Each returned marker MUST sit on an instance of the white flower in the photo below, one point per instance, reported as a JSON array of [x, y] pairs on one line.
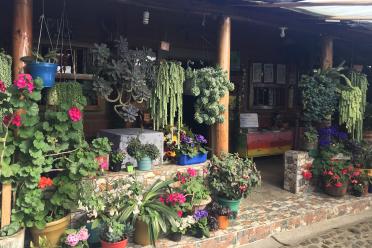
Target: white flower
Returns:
[[136, 211], [112, 212]]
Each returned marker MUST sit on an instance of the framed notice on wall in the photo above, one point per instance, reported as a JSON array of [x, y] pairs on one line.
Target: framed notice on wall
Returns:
[[281, 74], [256, 72], [248, 120], [268, 73]]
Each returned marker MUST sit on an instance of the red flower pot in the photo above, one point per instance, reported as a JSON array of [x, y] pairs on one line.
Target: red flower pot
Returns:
[[120, 244]]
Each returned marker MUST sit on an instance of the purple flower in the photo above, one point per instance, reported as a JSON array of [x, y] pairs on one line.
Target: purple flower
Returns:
[[200, 214], [186, 139], [72, 240], [83, 234], [200, 139]]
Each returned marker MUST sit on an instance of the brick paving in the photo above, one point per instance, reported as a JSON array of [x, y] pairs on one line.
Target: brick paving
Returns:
[[259, 220], [352, 236]]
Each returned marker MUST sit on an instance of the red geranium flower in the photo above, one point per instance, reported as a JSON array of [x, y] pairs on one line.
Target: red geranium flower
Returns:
[[24, 81], [161, 199], [307, 174], [15, 120], [180, 213], [2, 87], [192, 172], [356, 173], [338, 184], [330, 173], [75, 114], [45, 182], [344, 171]]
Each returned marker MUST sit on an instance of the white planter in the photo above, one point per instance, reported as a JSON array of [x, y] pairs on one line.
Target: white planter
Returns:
[[15, 241]]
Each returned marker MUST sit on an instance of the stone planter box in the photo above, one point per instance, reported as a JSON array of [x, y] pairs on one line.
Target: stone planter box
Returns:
[[15, 241]]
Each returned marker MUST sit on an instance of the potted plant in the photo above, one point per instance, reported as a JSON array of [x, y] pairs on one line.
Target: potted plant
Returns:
[[149, 215], [117, 159], [102, 148], [222, 214], [19, 170], [310, 139], [232, 178], [114, 234], [359, 183], [335, 176], [193, 187], [191, 149], [75, 238], [44, 67], [200, 228], [181, 227], [143, 153], [129, 166]]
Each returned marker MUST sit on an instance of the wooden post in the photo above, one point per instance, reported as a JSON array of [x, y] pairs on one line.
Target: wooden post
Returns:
[[327, 52], [221, 134], [6, 204], [22, 33]]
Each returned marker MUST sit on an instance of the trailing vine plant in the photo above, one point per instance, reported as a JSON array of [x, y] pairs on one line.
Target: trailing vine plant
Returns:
[[5, 68], [360, 80], [167, 95], [209, 85], [67, 92], [123, 76]]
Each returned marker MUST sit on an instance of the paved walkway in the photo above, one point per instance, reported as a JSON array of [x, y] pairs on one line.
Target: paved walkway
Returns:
[[351, 236]]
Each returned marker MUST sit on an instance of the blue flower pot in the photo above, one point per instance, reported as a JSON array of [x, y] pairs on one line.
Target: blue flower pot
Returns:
[[187, 160], [145, 164], [45, 71]]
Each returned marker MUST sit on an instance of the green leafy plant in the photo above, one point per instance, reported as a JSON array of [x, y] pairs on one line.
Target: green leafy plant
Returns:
[[145, 206], [168, 94], [311, 135], [200, 227], [43, 243], [5, 68], [209, 85], [114, 231], [66, 92], [232, 177], [50, 57], [125, 75], [118, 157], [138, 150], [101, 146], [319, 94]]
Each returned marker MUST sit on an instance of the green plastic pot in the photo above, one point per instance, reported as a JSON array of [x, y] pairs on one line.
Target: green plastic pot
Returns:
[[233, 205], [145, 164]]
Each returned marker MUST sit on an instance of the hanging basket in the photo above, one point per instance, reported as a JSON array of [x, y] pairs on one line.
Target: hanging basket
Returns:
[[45, 71]]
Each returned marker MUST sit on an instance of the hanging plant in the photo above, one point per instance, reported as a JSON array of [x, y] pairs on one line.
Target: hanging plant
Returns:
[[166, 98], [5, 68], [209, 85], [66, 92], [352, 104], [123, 76]]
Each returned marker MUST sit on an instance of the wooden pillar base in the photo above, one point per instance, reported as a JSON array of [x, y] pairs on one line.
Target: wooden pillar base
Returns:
[[6, 204]]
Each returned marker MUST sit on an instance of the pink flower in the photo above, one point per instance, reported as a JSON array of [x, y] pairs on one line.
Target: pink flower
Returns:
[[17, 120], [24, 81], [191, 172], [20, 83], [72, 240], [338, 184], [344, 171], [2, 87], [83, 234], [103, 165], [176, 198], [75, 114], [161, 199], [307, 174], [180, 213]]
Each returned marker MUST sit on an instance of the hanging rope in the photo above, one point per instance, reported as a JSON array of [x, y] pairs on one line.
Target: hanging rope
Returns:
[[42, 23]]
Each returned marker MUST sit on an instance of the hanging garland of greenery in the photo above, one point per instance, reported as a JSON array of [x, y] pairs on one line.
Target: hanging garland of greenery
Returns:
[[5, 68], [166, 98], [209, 86], [360, 80], [66, 93], [350, 108]]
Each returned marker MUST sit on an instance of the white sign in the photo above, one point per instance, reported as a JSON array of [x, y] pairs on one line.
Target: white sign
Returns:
[[248, 120]]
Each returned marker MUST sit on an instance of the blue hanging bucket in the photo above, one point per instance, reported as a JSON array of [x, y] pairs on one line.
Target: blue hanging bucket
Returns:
[[45, 71]]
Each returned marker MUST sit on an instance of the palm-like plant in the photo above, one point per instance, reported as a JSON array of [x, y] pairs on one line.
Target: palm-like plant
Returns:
[[147, 208]]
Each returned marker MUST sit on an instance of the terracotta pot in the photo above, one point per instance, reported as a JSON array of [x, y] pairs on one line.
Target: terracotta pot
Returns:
[[336, 192], [223, 222], [367, 136], [15, 241], [141, 233], [52, 231], [120, 244]]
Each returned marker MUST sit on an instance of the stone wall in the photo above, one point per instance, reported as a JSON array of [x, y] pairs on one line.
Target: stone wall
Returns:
[[147, 178], [295, 163]]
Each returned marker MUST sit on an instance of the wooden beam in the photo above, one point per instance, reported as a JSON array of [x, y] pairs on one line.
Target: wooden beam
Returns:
[[222, 129], [22, 33], [6, 204], [327, 52]]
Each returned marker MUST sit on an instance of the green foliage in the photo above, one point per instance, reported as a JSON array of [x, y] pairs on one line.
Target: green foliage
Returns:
[[319, 96], [138, 150], [232, 177], [114, 231], [209, 86], [118, 157], [66, 92], [5, 68], [101, 146], [124, 74], [43, 243], [10, 230], [167, 95], [311, 135], [50, 57], [201, 226]]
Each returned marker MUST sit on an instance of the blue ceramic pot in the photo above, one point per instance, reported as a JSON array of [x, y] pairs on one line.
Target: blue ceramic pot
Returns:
[[145, 164], [187, 160], [45, 71]]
